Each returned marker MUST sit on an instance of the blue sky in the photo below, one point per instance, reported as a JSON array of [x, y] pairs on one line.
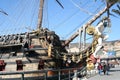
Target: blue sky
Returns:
[[65, 22]]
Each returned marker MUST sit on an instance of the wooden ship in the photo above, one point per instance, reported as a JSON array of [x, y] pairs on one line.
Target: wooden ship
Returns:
[[41, 55]]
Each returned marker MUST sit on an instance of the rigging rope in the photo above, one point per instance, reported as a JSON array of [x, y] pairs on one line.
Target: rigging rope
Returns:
[[7, 24], [68, 18], [65, 20], [16, 20], [89, 13], [83, 21], [34, 12]]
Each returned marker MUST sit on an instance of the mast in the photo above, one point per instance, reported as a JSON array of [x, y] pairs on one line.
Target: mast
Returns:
[[40, 15], [88, 23]]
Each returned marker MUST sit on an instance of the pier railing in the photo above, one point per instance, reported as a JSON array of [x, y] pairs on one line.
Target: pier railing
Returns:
[[60, 74]]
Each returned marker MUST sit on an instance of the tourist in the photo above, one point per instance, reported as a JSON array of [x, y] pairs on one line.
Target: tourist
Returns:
[[104, 68], [99, 68], [107, 68]]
